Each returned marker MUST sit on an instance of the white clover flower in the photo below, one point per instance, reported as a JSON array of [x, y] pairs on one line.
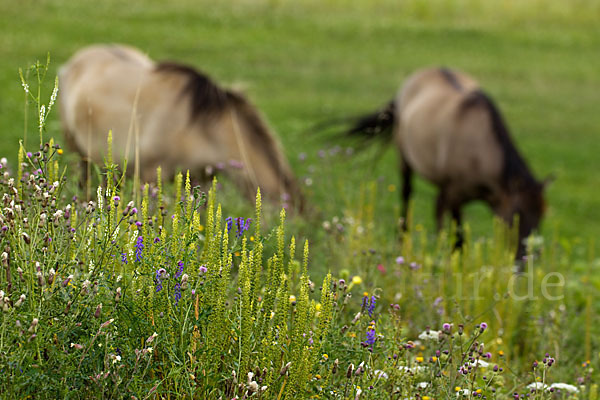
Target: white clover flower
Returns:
[[422, 385], [380, 374], [463, 392], [480, 363], [413, 370], [565, 386], [430, 335], [537, 386]]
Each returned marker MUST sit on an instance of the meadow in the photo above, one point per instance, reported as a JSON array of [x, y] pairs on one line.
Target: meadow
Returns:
[[114, 311]]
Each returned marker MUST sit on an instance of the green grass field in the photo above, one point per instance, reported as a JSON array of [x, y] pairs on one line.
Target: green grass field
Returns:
[[305, 62]]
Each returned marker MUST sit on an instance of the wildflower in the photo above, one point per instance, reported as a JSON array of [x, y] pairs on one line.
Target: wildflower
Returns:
[[161, 274], [292, 299], [380, 374], [429, 335], [537, 386], [480, 363], [372, 305], [151, 338], [357, 280], [399, 260], [419, 359], [98, 311], [422, 385], [371, 335], [565, 386], [229, 222], [139, 247], [483, 326], [179, 270], [447, 327], [177, 294], [202, 270]]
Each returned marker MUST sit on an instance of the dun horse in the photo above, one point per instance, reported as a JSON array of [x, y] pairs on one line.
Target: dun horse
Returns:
[[168, 115], [450, 132]]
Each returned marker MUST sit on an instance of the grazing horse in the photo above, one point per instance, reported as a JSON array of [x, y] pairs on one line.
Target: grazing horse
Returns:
[[168, 115], [450, 132]]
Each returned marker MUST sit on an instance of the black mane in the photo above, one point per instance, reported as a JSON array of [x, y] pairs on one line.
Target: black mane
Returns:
[[205, 95], [515, 170]]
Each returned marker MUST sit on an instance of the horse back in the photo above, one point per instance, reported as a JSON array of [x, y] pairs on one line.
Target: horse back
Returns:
[[442, 134], [118, 88]]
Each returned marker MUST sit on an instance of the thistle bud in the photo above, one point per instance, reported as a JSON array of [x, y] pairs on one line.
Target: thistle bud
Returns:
[[349, 371], [285, 368], [66, 281], [51, 275], [33, 325], [20, 301], [98, 311]]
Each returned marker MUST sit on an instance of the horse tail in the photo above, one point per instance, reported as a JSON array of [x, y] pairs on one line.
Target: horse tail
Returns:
[[376, 125]]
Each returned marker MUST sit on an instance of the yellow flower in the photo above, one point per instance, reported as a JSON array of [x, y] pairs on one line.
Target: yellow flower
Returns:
[[457, 389], [501, 353], [365, 294], [434, 358], [318, 307], [252, 238], [201, 227], [419, 359], [292, 298], [325, 356], [59, 151], [352, 334], [478, 391], [426, 398], [357, 280], [237, 253]]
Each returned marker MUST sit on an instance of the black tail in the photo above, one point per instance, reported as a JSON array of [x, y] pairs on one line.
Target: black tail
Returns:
[[377, 125]]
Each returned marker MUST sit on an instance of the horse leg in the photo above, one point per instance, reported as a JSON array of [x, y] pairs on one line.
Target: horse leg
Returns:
[[440, 209], [457, 217], [406, 192]]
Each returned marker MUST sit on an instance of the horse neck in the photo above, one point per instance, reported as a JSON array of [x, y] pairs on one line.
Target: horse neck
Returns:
[[263, 163]]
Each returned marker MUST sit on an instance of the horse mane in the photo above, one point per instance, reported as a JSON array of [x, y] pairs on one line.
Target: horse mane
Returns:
[[515, 168], [451, 78], [256, 126], [206, 97]]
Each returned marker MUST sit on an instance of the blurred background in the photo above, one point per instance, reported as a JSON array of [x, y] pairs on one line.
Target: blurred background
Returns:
[[304, 62]]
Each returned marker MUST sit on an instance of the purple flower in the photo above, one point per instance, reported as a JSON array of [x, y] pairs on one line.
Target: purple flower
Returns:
[[139, 248], [202, 270], [446, 327], [229, 222], [399, 260], [371, 336], [161, 274], [372, 306], [124, 258], [177, 293], [179, 270], [483, 326]]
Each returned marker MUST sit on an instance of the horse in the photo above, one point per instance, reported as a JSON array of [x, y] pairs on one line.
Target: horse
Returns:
[[450, 132], [169, 115]]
